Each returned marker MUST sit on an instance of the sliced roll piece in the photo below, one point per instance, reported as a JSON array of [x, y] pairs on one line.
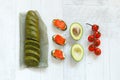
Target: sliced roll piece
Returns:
[[31, 61]]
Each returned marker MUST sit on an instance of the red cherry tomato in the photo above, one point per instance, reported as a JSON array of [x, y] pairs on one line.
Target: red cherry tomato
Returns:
[[91, 47], [97, 34], [97, 42], [97, 51], [95, 27], [91, 38]]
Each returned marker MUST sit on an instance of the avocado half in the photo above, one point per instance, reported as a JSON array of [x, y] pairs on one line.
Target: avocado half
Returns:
[[76, 31], [77, 52]]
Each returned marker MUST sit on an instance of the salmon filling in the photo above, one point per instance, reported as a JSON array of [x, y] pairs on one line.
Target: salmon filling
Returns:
[[59, 24], [58, 54], [59, 39]]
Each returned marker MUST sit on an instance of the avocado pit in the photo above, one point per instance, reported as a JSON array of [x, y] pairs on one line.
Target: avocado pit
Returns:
[[76, 31]]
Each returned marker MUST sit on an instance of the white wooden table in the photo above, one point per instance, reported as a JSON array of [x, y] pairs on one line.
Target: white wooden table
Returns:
[[106, 13]]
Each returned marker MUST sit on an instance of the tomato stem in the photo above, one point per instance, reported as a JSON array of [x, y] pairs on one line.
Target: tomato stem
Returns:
[[89, 24]]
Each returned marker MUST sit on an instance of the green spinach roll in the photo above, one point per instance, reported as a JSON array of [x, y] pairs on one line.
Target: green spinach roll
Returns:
[[32, 40]]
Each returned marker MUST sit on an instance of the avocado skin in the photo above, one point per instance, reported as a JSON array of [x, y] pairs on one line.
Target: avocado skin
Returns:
[[32, 40]]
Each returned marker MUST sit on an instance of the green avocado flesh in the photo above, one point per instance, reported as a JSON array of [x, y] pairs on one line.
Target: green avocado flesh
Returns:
[[77, 52], [32, 40], [76, 31]]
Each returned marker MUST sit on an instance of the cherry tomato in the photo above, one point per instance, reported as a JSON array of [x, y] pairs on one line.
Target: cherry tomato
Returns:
[[97, 51], [91, 47], [95, 27], [97, 42], [91, 38], [97, 34]]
